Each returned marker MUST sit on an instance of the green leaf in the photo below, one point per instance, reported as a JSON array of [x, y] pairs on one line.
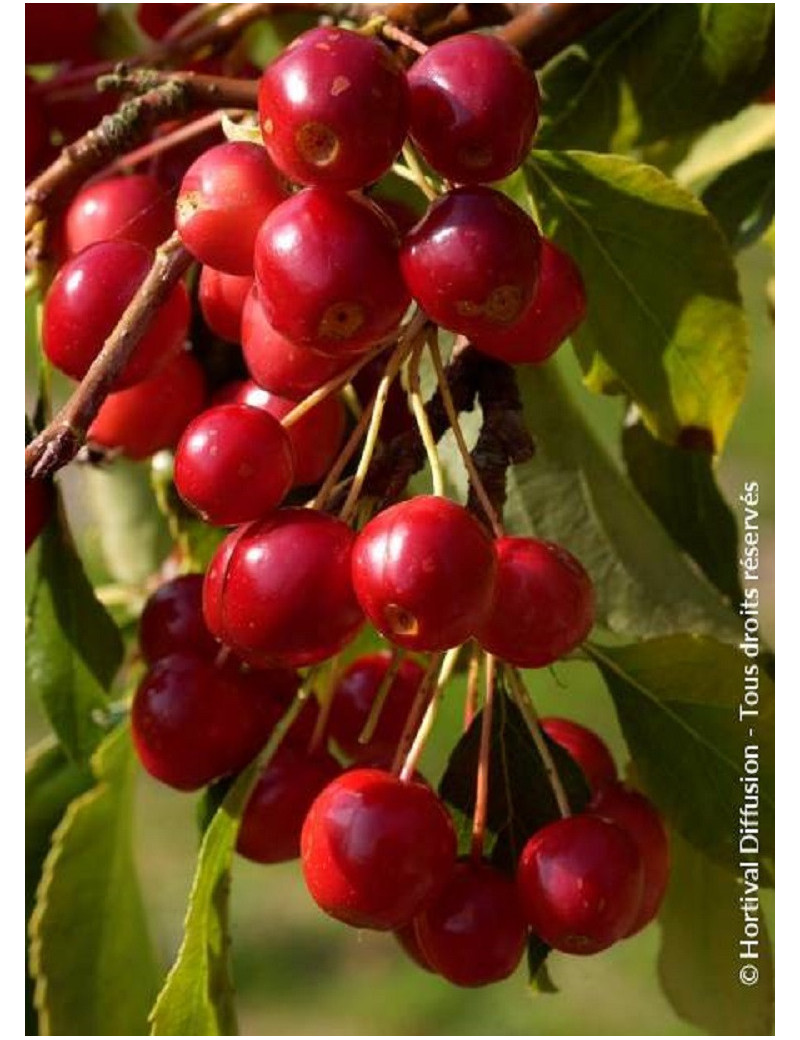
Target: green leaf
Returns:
[[656, 71], [678, 701], [73, 649], [678, 484], [742, 198], [88, 931], [51, 783], [538, 975], [197, 997], [521, 800], [571, 492], [702, 925], [665, 320]]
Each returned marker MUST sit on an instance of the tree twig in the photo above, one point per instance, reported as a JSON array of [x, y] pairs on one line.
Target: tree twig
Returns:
[[59, 442], [540, 31]]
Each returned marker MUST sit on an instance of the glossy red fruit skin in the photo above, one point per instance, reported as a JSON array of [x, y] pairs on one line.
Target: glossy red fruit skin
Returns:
[[278, 805], [640, 819], [172, 621], [234, 464], [557, 309], [328, 273], [354, 695], [277, 364], [424, 573], [87, 299], [192, 723], [376, 850], [59, 32], [224, 198], [474, 932], [279, 590], [152, 415], [222, 298], [38, 507], [543, 603], [407, 940], [472, 263], [333, 109], [586, 748], [157, 19], [315, 438], [580, 882], [134, 208], [474, 108]]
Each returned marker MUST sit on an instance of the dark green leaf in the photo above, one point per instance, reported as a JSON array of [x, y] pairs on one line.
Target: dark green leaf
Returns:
[[521, 800], [571, 492], [538, 975], [73, 648], [656, 71], [197, 997], [665, 321], [742, 198], [51, 782], [702, 925], [678, 484], [88, 930], [678, 704]]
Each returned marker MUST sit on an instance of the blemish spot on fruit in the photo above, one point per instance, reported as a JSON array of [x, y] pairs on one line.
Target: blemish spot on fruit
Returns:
[[476, 157], [400, 621], [188, 204], [317, 143], [341, 320], [269, 126], [504, 304], [339, 86]]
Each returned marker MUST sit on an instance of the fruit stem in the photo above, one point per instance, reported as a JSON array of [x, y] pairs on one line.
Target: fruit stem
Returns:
[[484, 752], [368, 731], [162, 144], [473, 674], [412, 722], [428, 719], [344, 457], [423, 425], [455, 425], [525, 705], [417, 173], [325, 700]]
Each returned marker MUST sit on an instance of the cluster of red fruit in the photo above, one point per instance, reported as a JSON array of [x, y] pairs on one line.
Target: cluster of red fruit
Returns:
[[311, 280]]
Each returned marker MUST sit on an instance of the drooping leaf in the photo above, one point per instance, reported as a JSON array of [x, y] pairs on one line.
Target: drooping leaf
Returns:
[[73, 648], [678, 484], [538, 974], [702, 925], [742, 198], [90, 952], [571, 492], [665, 322], [678, 700], [521, 800], [197, 997], [657, 71], [51, 783]]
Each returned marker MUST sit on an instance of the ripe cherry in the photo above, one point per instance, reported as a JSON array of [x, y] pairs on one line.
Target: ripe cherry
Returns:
[[234, 464], [315, 438], [586, 748], [472, 263], [328, 274], [192, 723], [473, 933], [38, 507], [136, 208], [333, 109], [281, 590], [474, 108], [278, 805], [224, 198], [152, 415], [557, 309], [376, 850], [59, 32], [643, 823], [354, 696], [157, 19], [424, 571], [172, 621], [275, 363], [86, 301], [222, 298], [407, 939], [543, 603], [580, 880]]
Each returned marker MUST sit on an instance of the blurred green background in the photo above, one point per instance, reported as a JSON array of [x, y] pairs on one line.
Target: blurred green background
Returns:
[[298, 972]]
